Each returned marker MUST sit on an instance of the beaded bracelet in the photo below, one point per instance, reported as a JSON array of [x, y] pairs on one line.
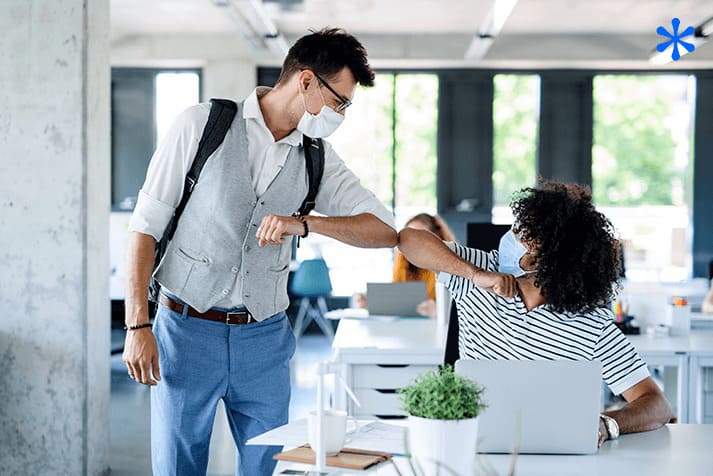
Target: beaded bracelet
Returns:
[[304, 223], [138, 326]]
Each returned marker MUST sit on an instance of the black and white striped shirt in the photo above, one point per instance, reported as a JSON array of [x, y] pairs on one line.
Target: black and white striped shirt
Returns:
[[498, 328]]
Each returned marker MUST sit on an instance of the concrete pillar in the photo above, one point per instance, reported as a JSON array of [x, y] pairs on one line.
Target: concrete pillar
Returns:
[[232, 79], [54, 212]]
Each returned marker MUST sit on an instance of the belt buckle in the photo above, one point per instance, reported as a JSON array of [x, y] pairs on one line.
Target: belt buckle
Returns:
[[228, 315]]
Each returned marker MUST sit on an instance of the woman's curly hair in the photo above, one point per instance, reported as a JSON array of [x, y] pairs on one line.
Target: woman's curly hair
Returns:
[[577, 252]]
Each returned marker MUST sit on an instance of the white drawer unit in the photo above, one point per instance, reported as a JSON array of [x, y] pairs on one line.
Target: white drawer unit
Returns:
[[378, 357], [386, 376], [378, 403], [376, 385]]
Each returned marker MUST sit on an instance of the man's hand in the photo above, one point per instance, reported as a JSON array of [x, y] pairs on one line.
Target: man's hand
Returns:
[[497, 283], [603, 433], [273, 228], [141, 356]]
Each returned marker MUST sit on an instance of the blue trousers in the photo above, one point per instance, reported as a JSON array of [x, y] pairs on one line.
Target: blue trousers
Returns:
[[202, 362]]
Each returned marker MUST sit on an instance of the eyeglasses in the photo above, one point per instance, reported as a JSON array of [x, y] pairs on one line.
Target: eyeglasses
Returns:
[[343, 102]]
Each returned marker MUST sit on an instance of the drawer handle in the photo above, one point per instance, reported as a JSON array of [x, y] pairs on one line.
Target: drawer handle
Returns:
[[386, 390], [391, 417], [392, 366]]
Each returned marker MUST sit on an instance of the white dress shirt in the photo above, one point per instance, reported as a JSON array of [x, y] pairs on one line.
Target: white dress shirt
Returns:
[[340, 192]]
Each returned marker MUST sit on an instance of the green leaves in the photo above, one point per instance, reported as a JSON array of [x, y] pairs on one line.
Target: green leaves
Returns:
[[443, 395]]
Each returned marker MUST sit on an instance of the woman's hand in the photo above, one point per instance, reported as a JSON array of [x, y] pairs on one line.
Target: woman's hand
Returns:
[[427, 308], [498, 283]]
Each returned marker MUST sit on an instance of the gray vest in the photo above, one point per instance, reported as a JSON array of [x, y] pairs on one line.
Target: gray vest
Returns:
[[215, 239]]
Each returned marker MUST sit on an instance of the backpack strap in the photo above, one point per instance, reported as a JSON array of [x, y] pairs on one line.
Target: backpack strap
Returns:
[[222, 113], [314, 163]]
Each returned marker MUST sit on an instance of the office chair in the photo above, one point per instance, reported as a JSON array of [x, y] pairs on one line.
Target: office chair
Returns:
[[452, 352], [311, 284]]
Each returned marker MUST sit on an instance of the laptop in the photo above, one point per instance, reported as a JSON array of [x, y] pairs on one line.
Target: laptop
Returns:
[[553, 405], [395, 299]]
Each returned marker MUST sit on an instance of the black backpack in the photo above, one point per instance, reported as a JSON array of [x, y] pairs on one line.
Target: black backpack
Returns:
[[222, 113]]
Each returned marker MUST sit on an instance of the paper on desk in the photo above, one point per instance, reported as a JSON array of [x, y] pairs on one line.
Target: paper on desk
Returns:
[[371, 435]]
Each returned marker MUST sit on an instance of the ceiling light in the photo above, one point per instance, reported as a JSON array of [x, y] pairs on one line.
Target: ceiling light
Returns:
[[263, 29], [705, 29], [489, 29]]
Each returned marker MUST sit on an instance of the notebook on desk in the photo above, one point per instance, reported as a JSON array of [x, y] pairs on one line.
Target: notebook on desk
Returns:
[[541, 406], [395, 299]]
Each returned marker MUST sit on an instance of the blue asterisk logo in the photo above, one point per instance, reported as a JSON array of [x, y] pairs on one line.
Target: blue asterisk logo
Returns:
[[675, 39]]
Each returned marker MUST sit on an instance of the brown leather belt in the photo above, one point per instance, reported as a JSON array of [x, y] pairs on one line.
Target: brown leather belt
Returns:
[[230, 318]]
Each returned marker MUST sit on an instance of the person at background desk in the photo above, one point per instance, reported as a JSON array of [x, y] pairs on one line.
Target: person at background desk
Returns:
[[406, 271], [542, 296], [708, 301]]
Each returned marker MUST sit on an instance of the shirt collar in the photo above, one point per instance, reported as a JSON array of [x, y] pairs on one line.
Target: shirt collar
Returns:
[[251, 110]]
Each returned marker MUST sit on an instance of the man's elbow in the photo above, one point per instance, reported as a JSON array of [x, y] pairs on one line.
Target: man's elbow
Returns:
[[388, 238]]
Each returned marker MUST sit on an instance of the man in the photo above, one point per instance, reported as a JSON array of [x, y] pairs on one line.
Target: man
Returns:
[[231, 252], [542, 296]]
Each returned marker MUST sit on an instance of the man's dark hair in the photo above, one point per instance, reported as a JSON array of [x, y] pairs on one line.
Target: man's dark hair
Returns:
[[577, 252], [327, 52]]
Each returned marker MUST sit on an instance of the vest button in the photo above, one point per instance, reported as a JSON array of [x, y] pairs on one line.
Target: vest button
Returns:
[[247, 248], [226, 291], [246, 295], [253, 203], [234, 269]]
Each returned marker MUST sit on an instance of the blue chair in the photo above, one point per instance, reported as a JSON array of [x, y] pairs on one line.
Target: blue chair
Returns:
[[311, 283]]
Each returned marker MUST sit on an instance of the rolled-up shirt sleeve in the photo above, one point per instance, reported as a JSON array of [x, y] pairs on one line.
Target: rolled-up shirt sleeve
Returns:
[[342, 194], [163, 188]]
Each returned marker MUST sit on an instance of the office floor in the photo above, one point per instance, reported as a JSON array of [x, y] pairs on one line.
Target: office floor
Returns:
[[130, 452]]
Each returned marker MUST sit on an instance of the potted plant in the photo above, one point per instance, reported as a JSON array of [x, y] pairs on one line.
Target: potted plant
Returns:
[[443, 409]]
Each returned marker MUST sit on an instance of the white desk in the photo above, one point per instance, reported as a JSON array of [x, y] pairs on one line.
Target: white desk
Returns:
[[379, 357], [670, 450], [691, 355]]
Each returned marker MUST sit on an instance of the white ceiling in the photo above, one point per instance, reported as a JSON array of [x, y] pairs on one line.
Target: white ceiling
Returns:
[[554, 33], [603, 16]]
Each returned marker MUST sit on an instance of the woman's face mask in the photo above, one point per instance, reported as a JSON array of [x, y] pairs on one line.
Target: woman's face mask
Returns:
[[510, 253], [319, 125]]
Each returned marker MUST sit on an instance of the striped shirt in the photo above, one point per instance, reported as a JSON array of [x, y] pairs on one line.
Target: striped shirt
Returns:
[[498, 328]]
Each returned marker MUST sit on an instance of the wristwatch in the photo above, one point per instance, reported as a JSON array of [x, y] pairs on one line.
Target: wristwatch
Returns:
[[611, 425]]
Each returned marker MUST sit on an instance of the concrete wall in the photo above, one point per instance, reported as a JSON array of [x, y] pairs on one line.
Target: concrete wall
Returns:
[[54, 210], [233, 79]]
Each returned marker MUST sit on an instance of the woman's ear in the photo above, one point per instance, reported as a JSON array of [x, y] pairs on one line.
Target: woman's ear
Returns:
[[528, 262]]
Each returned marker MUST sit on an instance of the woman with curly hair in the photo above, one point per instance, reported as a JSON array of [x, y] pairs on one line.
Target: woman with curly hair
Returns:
[[543, 295]]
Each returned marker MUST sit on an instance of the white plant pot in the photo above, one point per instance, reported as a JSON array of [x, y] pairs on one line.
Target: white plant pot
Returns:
[[443, 447]]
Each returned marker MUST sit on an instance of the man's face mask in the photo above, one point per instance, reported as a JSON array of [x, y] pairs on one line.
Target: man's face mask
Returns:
[[511, 252], [319, 125]]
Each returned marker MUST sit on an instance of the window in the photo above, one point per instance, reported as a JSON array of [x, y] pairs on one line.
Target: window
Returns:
[[174, 93], [515, 127], [388, 139], [144, 102], [641, 169]]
